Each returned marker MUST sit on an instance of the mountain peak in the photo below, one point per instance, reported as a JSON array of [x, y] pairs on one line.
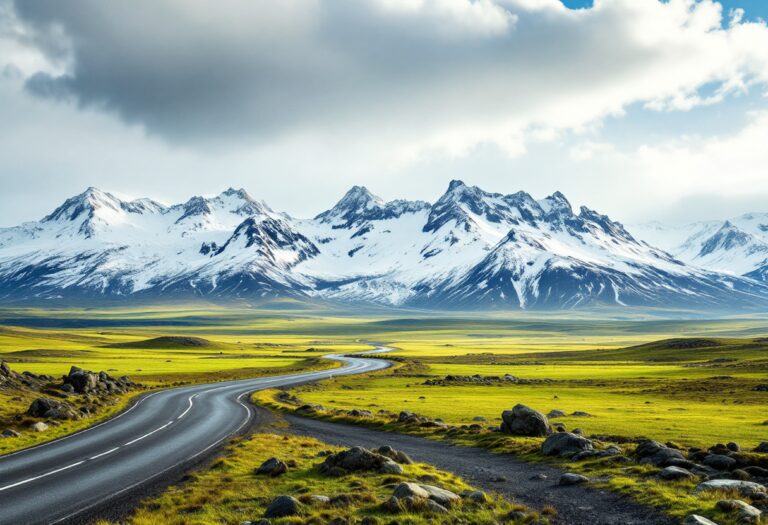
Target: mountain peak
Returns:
[[84, 204], [556, 203], [455, 184]]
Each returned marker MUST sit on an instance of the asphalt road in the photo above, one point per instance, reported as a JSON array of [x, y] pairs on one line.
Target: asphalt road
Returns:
[[164, 431]]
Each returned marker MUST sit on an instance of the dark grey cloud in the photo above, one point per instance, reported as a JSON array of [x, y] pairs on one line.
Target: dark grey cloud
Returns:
[[200, 70]]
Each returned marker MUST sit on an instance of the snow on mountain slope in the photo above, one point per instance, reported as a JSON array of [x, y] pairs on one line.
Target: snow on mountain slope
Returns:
[[97, 243], [471, 248], [736, 246]]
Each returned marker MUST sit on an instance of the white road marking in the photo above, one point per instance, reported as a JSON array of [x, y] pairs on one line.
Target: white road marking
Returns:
[[158, 429], [188, 408], [28, 480], [104, 453]]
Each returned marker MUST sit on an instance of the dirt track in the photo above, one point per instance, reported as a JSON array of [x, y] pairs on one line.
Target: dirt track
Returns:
[[576, 505]]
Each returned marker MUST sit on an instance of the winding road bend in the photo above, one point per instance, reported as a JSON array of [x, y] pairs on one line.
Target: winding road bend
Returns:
[[162, 432]]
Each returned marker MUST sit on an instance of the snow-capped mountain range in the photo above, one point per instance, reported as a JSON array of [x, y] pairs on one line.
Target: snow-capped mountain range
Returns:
[[737, 246], [470, 249]]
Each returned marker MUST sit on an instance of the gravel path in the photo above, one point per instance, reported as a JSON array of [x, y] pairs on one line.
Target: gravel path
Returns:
[[576, 505]]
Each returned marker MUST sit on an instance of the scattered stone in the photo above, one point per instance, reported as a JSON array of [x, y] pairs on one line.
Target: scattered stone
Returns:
[[654, 453], [745, 488], [540, 477], [283, 506], [579, 413], [51, 409], [395, 455], [555, 413], [435, 508], [747, 513], [525, 421], [570, 478], [10, 433], [762, 447], [413, 490], [675, 473], [444, 497], [733, 447], [565, 445], [477, 496], [319, 499], [353, 460], [695, 519], [391, 467], [761, 388], [719, 462], [38, 427], [359, 413], [272, 467]]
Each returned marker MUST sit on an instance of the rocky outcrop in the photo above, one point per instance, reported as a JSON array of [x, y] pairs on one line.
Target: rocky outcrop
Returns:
[[654, 453], [84, 382], [525, 421], [565, 445], [51, 409], [358, 459]]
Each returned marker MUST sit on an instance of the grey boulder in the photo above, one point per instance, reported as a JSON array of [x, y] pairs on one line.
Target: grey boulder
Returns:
[[525, 421], [565, 445]]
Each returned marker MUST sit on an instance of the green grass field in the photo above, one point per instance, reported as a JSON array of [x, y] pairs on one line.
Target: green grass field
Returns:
[[689, 381]]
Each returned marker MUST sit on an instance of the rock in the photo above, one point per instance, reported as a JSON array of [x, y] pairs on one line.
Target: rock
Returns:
[[675, 473], [733, 447], [719, 462], [390, 467], [405, 490], [757, 472], [525, 421], [579, 413], [747, 513], [360, 413], [10, 433], [51, 409], [395, 455], [393, 505], [66, 387], [555, 413], [565, 445], [745, 488], [354, 459], [654, 453], [435, 508], [570, 478], [413, 490], [38, 427], [762, 447], [444, 497], [477, 496], [614, 450], [272, 467], [761, 388], [283, 506], [695, 519], [319, 499], [479, 419]]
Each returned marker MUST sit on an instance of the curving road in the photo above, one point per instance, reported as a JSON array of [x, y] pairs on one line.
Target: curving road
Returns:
[[164, 431]]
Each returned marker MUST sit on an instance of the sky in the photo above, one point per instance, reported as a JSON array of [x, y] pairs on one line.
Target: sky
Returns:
[[641, 109]]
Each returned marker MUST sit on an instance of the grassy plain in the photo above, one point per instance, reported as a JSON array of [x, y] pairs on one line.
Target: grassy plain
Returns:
[[634, 375], [610, 368]]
